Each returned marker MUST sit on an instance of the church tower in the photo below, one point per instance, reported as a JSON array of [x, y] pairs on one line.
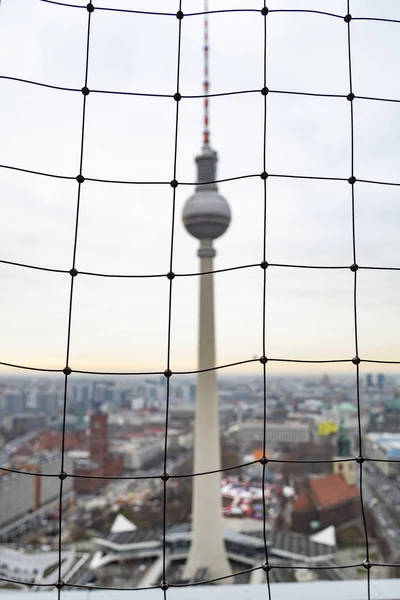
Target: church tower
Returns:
[[343, 467]]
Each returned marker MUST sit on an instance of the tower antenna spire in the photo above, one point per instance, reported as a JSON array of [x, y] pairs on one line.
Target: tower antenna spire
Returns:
[[206, 132]]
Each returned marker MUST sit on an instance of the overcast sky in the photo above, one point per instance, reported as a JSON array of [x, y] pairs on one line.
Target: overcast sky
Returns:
[[122, 323]]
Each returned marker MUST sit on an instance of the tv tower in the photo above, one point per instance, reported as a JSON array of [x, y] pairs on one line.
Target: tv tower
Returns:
[[206, 216]]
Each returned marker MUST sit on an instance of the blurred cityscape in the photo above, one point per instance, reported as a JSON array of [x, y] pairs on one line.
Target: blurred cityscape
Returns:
[[112, 529]]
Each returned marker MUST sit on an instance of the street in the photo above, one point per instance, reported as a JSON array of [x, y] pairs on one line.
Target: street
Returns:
[[382, 495]]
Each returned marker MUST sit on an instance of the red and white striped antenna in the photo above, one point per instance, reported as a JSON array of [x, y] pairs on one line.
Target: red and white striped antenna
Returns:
[[206, 133]]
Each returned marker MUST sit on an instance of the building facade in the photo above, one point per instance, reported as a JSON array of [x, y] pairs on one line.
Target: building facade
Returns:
[[21, 494], [385, 449], [289, 432]]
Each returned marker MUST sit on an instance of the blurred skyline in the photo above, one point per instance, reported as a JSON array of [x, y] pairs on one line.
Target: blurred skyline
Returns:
[[121, 324]]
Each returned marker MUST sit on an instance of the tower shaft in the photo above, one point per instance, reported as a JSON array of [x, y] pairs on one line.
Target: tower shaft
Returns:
[[207, 547]]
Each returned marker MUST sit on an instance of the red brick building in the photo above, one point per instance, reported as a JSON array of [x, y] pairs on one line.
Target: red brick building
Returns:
[[328, 500], [101, 462]]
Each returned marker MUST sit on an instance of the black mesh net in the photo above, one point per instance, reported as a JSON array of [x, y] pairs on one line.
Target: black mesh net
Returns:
[[264, 266]]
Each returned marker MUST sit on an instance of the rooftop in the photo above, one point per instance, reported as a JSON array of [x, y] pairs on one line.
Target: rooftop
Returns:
[[388, 442], [284, 425], [287, 542], [393, 405], [50, 440], [281, 543], [381, 438], [328, 491]]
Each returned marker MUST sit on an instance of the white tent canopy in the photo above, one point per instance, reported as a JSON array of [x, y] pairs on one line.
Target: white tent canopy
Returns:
[[326, 536], [121, 524]]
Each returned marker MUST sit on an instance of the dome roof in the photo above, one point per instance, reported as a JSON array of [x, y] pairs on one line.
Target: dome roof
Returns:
[[393, 405], [206, 214], [347, 407]]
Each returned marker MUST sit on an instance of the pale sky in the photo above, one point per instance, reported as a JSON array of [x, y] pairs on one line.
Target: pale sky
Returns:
[[122, 323]]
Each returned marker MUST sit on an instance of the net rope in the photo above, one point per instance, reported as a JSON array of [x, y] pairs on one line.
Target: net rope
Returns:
[[264, 359]]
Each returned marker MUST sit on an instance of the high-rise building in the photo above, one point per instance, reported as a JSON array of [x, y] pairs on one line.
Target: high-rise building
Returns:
[[206, 216], [12, 402], [192, 393], [48, 402], [381, 381]]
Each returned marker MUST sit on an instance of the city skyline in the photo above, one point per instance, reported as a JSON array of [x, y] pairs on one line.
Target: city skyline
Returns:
[[121, 324]]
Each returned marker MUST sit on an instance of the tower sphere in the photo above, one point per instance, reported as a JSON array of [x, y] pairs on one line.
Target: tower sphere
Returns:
[[206, 214]]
